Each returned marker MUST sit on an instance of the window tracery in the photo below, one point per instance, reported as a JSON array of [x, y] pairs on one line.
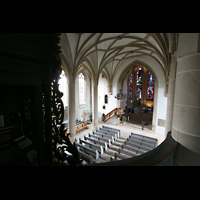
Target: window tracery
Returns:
[[63, 88], [139, 84], [82, 90], [150, 87]]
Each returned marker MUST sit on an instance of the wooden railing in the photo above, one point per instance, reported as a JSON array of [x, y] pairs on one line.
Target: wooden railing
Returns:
[[110, 115]]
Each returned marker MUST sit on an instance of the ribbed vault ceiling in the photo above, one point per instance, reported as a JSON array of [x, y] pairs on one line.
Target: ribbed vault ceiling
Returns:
[[105, 51]]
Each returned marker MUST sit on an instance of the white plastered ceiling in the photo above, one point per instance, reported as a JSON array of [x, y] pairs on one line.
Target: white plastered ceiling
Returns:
[[105, 51]]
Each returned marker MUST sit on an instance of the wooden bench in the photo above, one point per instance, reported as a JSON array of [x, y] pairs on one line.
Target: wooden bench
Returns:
[[141, 143], [127, 153], [85, 125], [131, 143], [103, 144], [104, 136], [143, 140], [154, 140], [108, 133], [133, 149], [92, 145], [101, 139], [112, 129], [85, 156], [88, 150], [80, 127], [120, 156]]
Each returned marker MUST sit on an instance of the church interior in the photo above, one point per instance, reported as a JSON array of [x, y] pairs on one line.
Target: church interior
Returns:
[[99, 99]]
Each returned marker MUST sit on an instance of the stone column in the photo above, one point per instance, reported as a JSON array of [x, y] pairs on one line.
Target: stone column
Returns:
[[170, 95], [186, 114], [94, 103], [134, 86], [144, 85], [71, 107]]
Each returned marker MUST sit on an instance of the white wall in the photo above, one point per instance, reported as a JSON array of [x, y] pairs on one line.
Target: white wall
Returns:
[[102, 91], [112, 101]]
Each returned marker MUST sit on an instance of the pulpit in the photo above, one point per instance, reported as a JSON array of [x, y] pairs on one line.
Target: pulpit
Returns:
[[120, 112]]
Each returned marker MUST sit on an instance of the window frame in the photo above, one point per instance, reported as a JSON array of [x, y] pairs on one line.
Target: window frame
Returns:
[[63, 87], [82, 80]]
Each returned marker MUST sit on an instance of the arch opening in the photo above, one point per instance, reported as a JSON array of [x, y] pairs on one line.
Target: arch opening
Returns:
[[138, 83], [159, 102]]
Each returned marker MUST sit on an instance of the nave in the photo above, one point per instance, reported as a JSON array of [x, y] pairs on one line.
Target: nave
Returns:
[[115, 142]]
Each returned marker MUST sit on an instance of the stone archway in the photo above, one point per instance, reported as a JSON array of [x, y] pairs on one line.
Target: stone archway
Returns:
[[160, 100]]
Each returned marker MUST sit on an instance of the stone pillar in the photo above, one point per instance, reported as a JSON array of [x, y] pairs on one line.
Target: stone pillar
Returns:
[[134, 86], [94, 103], [127, 94], [71, 107], [186, 114], [170, 95], [144, 85]]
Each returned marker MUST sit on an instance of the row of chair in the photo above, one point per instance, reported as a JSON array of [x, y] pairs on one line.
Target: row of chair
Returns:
[[135, 145], [79, 126], [96, 144]]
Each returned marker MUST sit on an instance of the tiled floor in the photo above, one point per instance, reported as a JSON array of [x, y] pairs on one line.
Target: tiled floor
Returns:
[[126, 130]]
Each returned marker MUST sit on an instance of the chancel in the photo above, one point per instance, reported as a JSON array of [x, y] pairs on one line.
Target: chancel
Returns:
[[104, 99]]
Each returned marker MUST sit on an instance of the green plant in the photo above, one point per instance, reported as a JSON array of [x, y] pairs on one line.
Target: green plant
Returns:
[[124, 119], [90, 114]]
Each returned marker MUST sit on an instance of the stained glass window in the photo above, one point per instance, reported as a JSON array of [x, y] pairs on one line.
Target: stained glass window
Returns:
[[150, 87], [130, 86], [139, 84]]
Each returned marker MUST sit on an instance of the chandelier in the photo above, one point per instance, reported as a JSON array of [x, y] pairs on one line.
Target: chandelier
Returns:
[[120, 96]]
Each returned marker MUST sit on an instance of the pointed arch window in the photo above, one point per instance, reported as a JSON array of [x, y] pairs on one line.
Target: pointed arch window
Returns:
[[131, 86], [106, 98], [82, 90], [63, 87], [150, 87], [139, 84]]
